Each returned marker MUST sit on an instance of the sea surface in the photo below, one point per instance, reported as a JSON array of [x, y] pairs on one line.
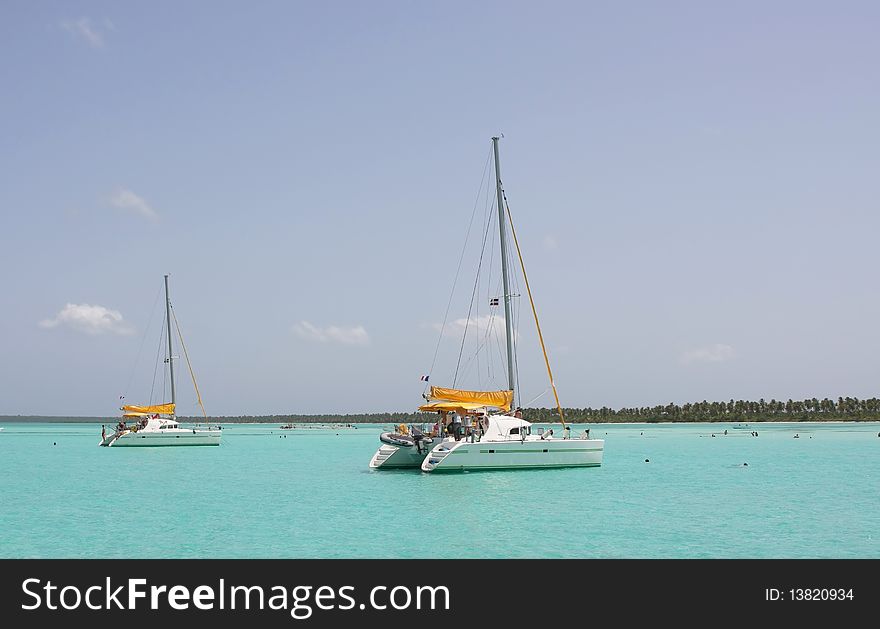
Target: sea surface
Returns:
[[663, 491]]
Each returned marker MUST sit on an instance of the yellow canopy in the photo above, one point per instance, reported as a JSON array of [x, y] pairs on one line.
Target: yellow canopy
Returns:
[[451, 406], [140, 411], [498, 399]]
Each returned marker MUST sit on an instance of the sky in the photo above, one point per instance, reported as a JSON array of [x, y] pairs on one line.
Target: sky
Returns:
[[694, 186]]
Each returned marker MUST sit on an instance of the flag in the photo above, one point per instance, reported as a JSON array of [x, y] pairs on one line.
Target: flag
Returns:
[[493, 301], [121, 397], [424, 378]]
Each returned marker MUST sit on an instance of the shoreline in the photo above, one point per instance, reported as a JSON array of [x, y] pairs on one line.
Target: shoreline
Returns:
[[53, 419]]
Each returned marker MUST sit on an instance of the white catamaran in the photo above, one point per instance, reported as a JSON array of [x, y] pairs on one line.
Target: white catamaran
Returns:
[[157, 425], [493, 438]]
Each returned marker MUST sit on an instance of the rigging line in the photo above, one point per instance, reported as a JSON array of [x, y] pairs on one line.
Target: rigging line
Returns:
[[165, 383], [140, 349], [189, 366], [471, 306], [496, 335], [458, 270], [540, 395], [516, 319], [515, 315], [475, 356], [486, 339], [156, 366], [534, 311]]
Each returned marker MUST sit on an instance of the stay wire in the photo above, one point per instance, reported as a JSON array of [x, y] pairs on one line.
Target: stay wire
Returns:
[[140, 349], [471, 306], [156, 366], [458, 270]]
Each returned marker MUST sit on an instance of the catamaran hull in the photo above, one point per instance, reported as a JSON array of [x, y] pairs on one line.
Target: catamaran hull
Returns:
[[170, 438], [390, 456], [515, 454]]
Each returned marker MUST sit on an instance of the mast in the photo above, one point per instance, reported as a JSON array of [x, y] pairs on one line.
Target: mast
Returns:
[[170, 351], [508, 324]]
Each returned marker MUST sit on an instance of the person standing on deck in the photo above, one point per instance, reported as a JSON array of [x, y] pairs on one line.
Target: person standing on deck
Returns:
[[456, 425]]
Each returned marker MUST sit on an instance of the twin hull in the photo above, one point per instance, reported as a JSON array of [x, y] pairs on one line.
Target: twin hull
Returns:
[[454, 456], [519, 454], [165, 438]]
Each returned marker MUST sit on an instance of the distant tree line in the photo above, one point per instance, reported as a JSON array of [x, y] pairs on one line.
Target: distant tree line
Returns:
[[812, 409]]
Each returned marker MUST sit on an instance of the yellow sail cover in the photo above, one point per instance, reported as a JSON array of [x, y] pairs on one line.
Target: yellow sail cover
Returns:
[[451, 406], [498, 399], [138, 411]]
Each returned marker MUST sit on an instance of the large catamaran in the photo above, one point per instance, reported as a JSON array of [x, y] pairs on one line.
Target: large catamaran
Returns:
[[495, 438]]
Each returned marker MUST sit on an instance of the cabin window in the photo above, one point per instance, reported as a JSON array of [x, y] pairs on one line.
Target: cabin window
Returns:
[[514, 431]]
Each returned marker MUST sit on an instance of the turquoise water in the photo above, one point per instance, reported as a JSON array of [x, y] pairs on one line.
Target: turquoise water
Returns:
[[308, 493]]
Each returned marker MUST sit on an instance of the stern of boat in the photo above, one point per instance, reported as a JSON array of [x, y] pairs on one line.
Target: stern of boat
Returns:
[[437, 455], [383, 455]]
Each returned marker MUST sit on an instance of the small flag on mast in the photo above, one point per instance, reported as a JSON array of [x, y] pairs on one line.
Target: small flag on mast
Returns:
[[493, 301], [424, 378]]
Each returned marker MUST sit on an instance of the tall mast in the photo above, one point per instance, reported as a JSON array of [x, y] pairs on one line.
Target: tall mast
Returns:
[[170, 351], [507, 320]]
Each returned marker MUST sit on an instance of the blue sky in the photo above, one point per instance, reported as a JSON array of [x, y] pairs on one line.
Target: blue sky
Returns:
[[694, 185]]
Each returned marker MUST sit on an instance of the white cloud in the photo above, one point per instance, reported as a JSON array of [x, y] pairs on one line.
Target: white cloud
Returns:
[[354, 335], [480, 325], [127, 200], [716, 353], [83, 28], [550, 243], [89, 319]]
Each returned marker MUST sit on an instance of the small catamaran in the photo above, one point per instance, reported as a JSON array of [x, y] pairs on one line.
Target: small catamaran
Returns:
[[157, 425], [493, 438]]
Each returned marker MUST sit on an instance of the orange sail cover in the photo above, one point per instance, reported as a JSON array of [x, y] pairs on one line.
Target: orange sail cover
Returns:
[[498, 399], [161, 409]]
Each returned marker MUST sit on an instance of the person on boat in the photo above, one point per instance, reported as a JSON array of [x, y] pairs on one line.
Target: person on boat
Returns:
[[402, 429], [586, 433], [103, 432], [456, 425], [518, 413], [417, 436], [483, 424], [469, 428]]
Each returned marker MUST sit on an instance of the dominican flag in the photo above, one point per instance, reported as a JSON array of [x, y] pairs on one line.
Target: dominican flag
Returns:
[[424, 378]]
